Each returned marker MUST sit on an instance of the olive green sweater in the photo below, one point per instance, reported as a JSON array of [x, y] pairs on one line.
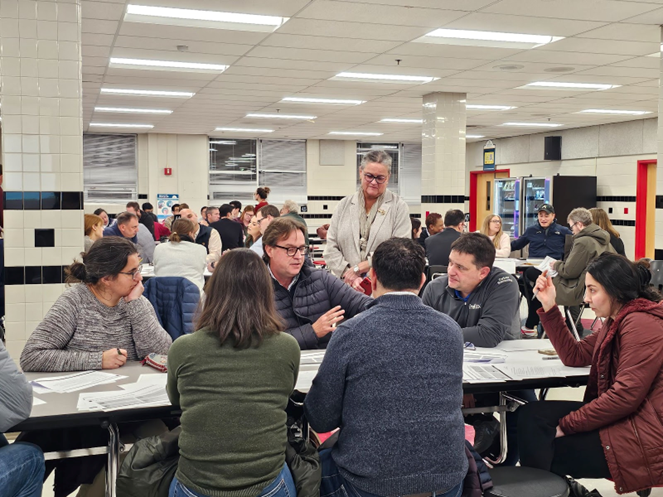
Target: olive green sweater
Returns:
[[233, 411]]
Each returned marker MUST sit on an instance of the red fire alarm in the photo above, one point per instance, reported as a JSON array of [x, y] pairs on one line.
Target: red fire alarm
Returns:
[[167, 171]]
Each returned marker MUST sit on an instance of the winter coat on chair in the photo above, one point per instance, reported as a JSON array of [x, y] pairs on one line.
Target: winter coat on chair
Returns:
[[175, 300], [624, 395], [588, 244]]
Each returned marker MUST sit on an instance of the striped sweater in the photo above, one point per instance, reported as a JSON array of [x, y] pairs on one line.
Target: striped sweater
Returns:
[[78, 329]]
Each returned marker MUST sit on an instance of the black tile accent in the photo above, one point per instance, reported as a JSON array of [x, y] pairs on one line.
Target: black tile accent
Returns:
[[52, 274], [142, 196], [324, 199], [622, 222], [316, 216], [467, 199], [615, 198], [50, 200], [659, 201], [13, 201], [31, 201], [609, 210], [14, 276], [658, 255], [418, 216], [33, 275], [443, 199], [72, 200], [44, 237]]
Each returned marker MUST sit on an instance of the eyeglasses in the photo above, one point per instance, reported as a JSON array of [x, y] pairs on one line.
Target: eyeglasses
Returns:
[[291, 251], [260, 220], [573, 224], [134, 272], [378, 179]]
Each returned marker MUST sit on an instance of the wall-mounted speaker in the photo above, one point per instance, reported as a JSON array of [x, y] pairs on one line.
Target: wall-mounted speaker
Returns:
[[552, 148]]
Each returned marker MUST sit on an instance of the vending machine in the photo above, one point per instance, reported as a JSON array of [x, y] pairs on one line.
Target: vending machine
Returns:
[[507, 204], [536, 192]]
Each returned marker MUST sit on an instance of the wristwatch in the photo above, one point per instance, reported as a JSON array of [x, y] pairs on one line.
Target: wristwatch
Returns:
[[356, 269]]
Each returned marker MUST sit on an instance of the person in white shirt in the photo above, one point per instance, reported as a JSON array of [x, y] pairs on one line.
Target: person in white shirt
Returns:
[[264, 216], [492, 228], [182, 256]]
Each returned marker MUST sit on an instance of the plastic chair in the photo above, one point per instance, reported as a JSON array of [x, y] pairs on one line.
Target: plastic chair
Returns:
[[175, 300], [436, 272], [656, 268], [519, 481]]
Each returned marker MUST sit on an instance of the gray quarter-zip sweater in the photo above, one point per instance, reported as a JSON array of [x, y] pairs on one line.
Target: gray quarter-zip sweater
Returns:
[[490, 314]]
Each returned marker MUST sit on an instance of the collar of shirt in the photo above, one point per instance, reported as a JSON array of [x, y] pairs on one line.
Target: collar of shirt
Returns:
[[401, 293], [464, 299], [292, 283]]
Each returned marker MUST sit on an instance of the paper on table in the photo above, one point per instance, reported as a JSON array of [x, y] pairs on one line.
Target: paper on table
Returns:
[[78, 381], [37, 402], [484, 358], [475, 373], [147, 379], [140, 395], [546, 265], [528, 371], [40, 390], [312, 357], [304, 380]]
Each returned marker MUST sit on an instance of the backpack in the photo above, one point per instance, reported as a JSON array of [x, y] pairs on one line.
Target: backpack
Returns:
[[477, 480]]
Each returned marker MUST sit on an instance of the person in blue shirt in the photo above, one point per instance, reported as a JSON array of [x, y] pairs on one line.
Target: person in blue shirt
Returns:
[[545, 238]]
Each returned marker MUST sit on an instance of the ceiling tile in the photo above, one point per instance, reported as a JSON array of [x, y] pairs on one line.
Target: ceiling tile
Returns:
[[587, 10], [357, 30]]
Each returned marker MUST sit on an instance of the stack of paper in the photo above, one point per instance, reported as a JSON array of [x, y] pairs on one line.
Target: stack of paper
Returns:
[[474, 373], [148, 391], [545, 265], [312, 357], [529, 371], [492, 358], [73, 382]]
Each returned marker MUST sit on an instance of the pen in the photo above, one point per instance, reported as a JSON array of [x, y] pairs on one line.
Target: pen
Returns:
[[549, 357], [119, 352], [545, 273]]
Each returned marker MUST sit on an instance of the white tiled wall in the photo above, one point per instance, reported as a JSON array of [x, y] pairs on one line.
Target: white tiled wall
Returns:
[[40, 68]]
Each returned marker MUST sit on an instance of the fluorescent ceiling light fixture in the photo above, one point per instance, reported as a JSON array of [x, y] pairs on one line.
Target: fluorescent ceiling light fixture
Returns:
[[117, 125], [397, 120], [166, 65], [488, 107], [212, 150], [384, 78], [246, 130], [224, 142], [202, 18], [148, 93], [132, 111], [533, 125], [474, 136], [487, 38], [280, 116], [617, 112], [354, 133], [330, 101], [558, 85]]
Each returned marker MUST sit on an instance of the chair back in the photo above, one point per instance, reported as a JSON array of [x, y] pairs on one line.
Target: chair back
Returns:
[[656, 268], [436, 271], [175, 300]]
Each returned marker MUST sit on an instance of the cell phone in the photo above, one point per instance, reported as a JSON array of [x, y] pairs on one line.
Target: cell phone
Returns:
[[366, 286]]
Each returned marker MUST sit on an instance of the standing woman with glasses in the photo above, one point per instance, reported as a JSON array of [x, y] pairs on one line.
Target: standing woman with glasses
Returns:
[[101, 323], [364, 220]]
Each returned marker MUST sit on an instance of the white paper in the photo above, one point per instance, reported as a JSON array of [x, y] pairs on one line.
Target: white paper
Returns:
[[529, 371], [312, 357], [40, 390], [479, 357], [545, 265], [147, 379], [476, 373], [304, 380], [37, 402], [78, 381], [139, 395]]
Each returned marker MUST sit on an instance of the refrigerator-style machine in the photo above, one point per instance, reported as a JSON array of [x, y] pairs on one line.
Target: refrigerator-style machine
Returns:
[[517, 200]]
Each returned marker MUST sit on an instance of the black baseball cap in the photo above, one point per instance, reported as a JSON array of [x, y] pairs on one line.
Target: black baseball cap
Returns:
[[547, 208]]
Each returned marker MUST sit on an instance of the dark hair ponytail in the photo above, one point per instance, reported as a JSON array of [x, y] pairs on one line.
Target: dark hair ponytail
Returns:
[[107, 257], [622, 279]]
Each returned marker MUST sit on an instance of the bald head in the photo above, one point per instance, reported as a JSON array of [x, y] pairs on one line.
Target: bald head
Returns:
[[190, 215]]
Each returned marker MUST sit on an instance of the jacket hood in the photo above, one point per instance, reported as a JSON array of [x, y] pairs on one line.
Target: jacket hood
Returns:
[[593, 231]]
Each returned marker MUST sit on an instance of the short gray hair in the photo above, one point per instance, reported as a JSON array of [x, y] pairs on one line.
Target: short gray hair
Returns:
[[291, 206], [377, 156], [581, 215]]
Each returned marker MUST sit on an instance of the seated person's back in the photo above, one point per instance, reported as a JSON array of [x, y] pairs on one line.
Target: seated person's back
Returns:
[[484, 300], [393, 388], [230, 231], [181, 256], [232, 379], [101, 322], [438, 246], [311, 301]]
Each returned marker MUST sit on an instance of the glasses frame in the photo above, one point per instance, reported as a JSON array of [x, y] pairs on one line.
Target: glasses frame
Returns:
[[133, 274], [370, 178], [303, 250]]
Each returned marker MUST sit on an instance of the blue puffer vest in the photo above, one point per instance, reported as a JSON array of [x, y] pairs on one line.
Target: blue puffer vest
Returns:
[[175, 300]]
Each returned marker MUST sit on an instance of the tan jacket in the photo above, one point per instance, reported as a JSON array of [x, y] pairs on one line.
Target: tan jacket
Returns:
[[392, 221]]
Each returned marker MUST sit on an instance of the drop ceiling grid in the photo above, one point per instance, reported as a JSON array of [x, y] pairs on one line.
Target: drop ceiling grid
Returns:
[[324, 37]]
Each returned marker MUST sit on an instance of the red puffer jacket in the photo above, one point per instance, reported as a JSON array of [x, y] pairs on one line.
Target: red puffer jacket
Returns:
[[625, 390]]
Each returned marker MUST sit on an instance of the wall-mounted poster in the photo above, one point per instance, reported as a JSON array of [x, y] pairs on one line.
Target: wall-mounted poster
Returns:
[[165, 203]]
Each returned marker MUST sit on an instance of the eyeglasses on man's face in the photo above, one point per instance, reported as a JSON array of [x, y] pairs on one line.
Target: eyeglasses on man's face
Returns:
[[134, 273], [291, 251], [378, 179]]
